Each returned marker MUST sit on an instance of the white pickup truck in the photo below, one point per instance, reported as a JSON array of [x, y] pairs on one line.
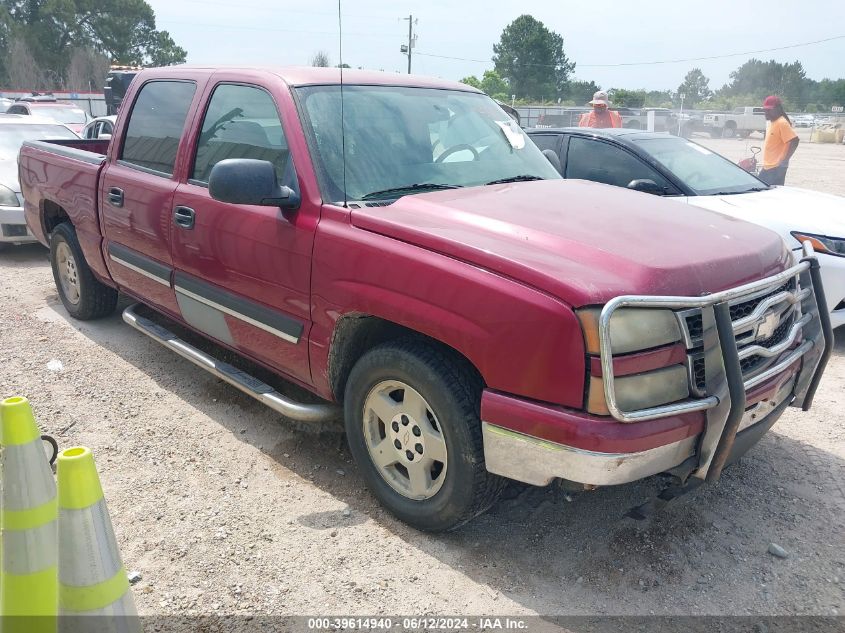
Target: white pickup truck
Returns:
[[742, 121]]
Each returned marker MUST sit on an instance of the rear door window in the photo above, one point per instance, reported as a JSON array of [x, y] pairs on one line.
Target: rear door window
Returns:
[[240, 122], [156, 124], [606, 163]]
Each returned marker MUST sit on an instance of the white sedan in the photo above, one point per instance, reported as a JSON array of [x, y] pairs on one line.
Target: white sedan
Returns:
[[670, 166]]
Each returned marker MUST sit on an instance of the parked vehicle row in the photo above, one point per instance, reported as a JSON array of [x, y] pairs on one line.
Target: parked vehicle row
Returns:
[[14, 131], [425, 271], [72, 116]]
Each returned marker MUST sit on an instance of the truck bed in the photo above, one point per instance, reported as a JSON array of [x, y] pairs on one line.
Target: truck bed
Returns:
[[65, 173]]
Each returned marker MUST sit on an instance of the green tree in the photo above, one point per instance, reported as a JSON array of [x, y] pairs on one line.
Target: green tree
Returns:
[[490, 83], [580, 92], [473, 81], [628, 98], [122, 30], [493, 84], [759, 78], [696, 87], [659, 99], [530, 58]]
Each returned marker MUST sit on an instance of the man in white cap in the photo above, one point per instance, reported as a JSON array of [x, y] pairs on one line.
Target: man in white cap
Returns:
[[601, 116]]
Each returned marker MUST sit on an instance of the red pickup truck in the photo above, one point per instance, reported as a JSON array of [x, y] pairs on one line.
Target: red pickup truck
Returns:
[[399, 248]]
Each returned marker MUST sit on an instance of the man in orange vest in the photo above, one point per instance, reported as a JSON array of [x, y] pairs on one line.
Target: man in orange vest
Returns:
[[600, 116]]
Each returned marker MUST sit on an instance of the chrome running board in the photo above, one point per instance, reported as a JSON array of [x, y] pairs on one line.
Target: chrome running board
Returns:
[[250, 385]]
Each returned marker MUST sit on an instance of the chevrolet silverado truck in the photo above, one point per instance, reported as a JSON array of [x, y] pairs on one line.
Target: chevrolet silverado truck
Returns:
[[398, 248]]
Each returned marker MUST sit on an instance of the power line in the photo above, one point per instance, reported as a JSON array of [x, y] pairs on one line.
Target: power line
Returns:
[[652, 63]]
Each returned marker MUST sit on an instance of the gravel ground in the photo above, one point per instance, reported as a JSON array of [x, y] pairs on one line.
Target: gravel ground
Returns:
[[223, 507]]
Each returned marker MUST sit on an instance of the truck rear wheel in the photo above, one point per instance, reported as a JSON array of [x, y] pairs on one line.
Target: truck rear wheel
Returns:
[[83, 296], [413, 426], [729, 132]]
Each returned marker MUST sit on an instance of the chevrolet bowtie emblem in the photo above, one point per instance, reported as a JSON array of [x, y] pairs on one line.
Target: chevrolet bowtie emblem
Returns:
[[768, 326]]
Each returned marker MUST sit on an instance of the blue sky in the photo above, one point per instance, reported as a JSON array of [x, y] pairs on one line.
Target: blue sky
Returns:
[[595, 33]]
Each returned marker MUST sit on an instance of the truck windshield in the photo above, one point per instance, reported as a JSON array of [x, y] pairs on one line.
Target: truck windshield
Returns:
[[397, 137], [703, 171], [13, 135]]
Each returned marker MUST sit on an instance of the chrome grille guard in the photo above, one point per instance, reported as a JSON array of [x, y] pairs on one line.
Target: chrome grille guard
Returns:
[[719, 302]]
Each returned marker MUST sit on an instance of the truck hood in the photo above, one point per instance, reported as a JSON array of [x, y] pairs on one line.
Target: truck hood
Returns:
[[783, 209], [583, 242]]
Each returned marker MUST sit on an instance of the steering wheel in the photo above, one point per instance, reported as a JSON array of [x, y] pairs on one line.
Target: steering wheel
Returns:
[[456, 148]]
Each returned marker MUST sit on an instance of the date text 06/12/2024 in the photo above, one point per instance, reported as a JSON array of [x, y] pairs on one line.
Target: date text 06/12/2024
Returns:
[[403, 624]]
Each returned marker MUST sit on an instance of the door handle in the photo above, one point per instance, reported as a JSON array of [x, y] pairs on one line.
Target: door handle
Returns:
[[184, 217], [116, 197]]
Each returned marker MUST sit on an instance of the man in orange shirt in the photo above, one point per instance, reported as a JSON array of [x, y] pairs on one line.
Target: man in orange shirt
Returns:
[[781, 142], [600, 116]]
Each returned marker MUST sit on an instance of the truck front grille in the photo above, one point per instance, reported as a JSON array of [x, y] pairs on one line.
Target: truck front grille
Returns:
[[786, 310]]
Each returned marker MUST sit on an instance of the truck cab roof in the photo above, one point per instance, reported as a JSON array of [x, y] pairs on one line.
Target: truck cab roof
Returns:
[[311, 76]]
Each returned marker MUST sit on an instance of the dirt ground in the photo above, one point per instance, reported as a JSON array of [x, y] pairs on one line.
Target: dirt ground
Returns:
[[223, 507]]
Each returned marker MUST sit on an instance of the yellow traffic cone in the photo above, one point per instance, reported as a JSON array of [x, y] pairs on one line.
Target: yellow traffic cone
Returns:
[[92, 580], [28, 580]]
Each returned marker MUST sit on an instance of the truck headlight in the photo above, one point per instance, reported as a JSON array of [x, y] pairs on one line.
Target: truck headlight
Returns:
[[8, 197], [822, 243], [635, 330], [631, 329], [640, 391]]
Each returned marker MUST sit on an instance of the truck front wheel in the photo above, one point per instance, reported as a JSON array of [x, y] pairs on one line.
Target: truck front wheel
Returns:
[[83, 296], [413, 426]]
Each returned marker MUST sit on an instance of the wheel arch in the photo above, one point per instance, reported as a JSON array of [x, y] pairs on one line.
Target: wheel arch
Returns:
[[51, 215], [357, 333]]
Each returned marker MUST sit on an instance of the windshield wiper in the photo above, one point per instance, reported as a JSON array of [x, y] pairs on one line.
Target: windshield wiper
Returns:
[[732, 193], [521, 178], [421, 186]]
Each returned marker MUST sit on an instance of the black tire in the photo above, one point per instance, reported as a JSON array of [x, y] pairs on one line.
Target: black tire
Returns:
[[96, 300], [454, 396], [729, 132]]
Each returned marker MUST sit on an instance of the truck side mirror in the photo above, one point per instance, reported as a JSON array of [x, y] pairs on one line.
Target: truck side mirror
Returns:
[[646, 185], [250, 181], [553, 159]]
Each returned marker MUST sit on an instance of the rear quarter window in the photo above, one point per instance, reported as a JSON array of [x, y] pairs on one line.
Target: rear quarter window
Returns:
[[156, 124]]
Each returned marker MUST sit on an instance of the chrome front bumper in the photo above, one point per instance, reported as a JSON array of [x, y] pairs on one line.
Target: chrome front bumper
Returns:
[[539, 462]]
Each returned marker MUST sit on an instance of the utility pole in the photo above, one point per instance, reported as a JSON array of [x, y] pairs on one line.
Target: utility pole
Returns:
[[412, 40]]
